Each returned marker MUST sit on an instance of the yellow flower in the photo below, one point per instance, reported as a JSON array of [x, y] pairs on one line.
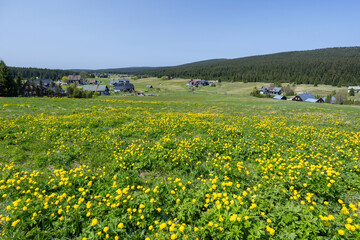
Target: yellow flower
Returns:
[[341, 232], [15, 223], [270, 230], [173, 236], [268, 220], [94, 222], [196, 229], [163, 225], [120, 225], [106, 229]]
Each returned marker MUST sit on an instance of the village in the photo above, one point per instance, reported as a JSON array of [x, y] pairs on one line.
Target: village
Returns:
[[99, 86]]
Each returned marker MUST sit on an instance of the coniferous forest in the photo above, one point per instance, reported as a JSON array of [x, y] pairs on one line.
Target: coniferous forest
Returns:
[[41, 73], [332, 66]]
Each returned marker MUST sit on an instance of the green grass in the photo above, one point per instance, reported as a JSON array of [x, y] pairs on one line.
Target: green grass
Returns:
[[198, 159]]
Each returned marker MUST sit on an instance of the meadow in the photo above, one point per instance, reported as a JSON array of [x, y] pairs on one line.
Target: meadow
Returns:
[[210, 164]]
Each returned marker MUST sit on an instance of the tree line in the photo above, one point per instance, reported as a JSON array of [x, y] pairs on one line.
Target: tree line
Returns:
[[41, 73], [333, 66]]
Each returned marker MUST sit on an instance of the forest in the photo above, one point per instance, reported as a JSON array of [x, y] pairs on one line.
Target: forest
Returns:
[[41, 73], [332, 66]]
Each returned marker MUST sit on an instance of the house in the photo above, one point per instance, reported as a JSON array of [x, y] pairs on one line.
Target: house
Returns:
[[271, 90], [314, 100], [113, 82], [74, 79], [264, 90], [197, 82], [124, 86], [279, 97], [93, 81], [356, 89], [41, 87], [101, 89], [302, 97], [276, 90]]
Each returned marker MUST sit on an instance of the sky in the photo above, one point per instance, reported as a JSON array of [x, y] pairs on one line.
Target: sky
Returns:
[[86, 34]]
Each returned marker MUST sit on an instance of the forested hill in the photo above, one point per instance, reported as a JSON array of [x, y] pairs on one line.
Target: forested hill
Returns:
[[332, 66], [42, 73]]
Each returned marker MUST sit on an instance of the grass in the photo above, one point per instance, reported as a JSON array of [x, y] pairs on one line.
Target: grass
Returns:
[[210, 164]]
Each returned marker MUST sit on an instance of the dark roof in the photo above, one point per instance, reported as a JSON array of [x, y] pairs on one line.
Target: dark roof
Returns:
[[313, 100], [95, 88], [123, 85], [120, 80], [279, 97], [305, 96]]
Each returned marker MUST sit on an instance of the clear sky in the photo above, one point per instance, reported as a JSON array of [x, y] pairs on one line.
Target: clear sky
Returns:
[[70, 34]]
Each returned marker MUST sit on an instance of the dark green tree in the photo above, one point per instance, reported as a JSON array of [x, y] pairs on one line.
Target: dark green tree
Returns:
[[8, 87], [352, 92], [19, 83]]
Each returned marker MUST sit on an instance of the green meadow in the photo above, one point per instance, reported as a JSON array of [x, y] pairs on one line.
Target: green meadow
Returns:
[[213, 163]]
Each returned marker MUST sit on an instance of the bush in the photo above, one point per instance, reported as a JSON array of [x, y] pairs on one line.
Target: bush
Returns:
[[289, 91], [341, 97], [75, 92]]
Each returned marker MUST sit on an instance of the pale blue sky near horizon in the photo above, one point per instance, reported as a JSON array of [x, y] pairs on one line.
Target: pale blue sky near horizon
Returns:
[[81, 34]]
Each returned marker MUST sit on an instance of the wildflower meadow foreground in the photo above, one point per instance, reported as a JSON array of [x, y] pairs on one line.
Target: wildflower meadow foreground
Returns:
[[115, 169]]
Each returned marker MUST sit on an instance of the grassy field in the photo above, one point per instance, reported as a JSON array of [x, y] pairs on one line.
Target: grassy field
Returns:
[[210, 164]]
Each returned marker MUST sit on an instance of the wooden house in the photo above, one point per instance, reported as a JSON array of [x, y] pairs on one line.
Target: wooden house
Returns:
[[302, 97], [74, 79], [93, 81]]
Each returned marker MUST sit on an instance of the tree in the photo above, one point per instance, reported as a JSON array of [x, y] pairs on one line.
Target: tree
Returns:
[[65, 79], [8, 87], [352, 92], [19, 82], [83, 76], [341, 97]]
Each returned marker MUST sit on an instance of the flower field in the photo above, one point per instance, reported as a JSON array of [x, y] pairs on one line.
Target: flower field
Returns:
[[116, 169]]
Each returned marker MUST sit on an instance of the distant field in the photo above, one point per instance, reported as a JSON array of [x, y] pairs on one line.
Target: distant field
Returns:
[[210, 164], [176, 88]]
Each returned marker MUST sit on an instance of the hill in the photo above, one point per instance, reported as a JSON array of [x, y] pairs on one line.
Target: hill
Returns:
[[332, 66]]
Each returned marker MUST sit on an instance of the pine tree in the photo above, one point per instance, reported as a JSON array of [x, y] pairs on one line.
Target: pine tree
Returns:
[[8, 87], [352, 92], [19, 83]]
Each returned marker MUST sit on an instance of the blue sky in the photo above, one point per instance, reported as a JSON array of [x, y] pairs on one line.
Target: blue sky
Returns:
[[106, 34]]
